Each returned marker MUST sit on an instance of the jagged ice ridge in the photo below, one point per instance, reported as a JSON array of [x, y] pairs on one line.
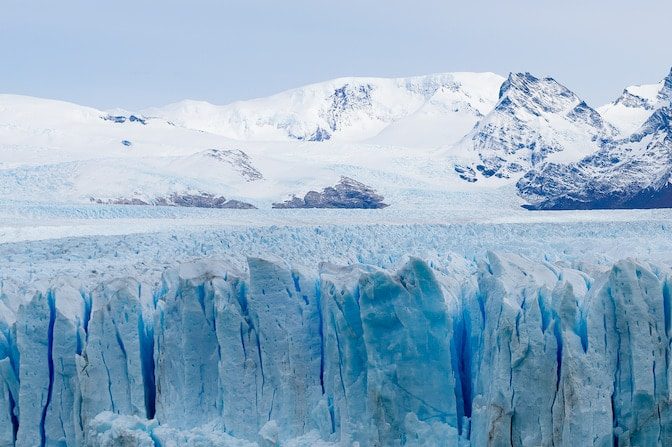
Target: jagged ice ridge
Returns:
[[511, 352]]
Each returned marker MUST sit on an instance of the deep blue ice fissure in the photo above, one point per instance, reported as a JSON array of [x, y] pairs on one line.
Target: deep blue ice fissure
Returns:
[[50, 363], [146, 334]]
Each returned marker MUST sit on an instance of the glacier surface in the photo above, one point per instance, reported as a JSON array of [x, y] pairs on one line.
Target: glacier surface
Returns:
[[111, 341]]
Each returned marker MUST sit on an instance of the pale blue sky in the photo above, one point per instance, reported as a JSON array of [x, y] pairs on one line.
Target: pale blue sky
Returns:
[[134, 54]]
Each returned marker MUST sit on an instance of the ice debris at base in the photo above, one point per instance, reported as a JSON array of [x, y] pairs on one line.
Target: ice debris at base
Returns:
[[499, 351]]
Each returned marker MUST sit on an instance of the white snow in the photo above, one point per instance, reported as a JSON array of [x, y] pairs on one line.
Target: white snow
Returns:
[[402, 137], [299, 112], [628, 117], [62, 153]]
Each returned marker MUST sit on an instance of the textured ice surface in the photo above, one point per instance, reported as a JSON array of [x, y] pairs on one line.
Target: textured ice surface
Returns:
[[495, 331], [495, 349]]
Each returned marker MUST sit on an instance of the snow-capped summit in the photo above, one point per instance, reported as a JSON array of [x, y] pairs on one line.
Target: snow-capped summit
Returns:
[[636, 104], [535, 119], [348, 109], [447, 115], [665, 93]]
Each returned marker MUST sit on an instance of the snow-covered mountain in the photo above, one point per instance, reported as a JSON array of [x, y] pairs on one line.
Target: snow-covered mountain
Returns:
[[632, 172], [54, 151], [442, 107], [535, 120], [411, 142]]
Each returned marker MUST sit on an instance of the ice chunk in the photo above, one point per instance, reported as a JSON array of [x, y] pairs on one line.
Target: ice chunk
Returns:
[[186, 350], [34, 339], [111, 430], [628, 342], [405, 324], [110, 368], [285, 311]]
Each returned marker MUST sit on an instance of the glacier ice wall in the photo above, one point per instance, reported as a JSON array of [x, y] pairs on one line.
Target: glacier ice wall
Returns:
[[503, 351]]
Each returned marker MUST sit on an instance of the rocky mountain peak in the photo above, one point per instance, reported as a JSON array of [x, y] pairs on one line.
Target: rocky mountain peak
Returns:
[[536, 95], [660, 120], [665, 93]]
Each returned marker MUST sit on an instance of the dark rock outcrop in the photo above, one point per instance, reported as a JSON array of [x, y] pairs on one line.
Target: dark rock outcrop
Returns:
[[199, 200], [120, 119], [347, 193], [237, 159]]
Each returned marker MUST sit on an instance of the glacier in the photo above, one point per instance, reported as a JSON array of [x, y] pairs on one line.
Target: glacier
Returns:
[[492, 349]]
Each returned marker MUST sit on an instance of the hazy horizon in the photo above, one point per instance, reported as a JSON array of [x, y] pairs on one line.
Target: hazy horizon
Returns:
[[135, 55]]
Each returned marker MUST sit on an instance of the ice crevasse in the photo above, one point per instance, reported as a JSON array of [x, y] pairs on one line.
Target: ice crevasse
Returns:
[[503, 351]]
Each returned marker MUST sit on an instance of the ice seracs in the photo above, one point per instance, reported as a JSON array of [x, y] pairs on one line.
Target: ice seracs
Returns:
[[445, 352]]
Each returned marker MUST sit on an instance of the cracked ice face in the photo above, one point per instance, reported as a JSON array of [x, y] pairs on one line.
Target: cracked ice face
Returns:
[[512, 350]]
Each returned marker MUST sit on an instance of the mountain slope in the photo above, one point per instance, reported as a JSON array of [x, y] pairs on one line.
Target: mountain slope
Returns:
[[636, 104], [37, 131], [54, 151], [347, 109], [632, 173], [421, 142], [534, 120]]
